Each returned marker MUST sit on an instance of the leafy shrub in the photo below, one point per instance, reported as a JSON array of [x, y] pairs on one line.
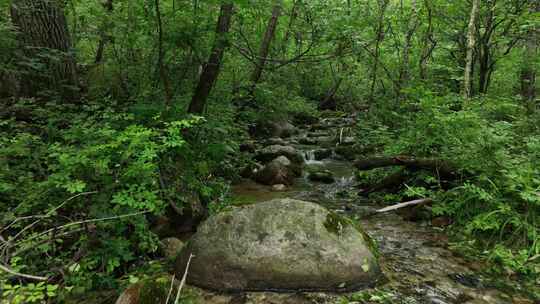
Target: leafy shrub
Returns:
[[84, 186], [497, 196]]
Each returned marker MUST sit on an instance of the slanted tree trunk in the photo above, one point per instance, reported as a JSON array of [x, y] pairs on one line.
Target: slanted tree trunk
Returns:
[[211, 69], [528, 71], [471, 42], [265, 45], [45, 39], [383, 4]]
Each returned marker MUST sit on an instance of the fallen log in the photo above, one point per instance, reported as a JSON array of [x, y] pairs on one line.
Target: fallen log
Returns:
[[440, 167]]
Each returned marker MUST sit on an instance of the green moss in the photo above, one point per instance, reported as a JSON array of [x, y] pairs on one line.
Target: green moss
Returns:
[[335, 223], [154, 290]]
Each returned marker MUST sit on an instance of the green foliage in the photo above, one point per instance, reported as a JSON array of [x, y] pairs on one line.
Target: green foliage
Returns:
[[30, 293], [94, 180], [370, 296], [496, 197]]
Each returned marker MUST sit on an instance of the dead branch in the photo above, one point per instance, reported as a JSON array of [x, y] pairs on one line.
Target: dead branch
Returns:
[[405, 204], [176, 301], [22, 275]]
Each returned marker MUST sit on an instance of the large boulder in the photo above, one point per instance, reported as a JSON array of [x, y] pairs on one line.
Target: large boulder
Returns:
[[272, 152], [280, 245], [279, 171]]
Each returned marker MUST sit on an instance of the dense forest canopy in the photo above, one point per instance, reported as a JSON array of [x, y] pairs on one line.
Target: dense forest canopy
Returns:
[[124, 122]]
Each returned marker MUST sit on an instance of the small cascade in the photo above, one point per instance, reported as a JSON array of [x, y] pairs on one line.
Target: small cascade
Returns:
[[343, 183], [309, 157]]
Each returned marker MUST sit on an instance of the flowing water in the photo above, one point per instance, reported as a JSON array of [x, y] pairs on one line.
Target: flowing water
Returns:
[[415, 257]]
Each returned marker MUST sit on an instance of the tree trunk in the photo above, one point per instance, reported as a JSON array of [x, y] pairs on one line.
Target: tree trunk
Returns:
[[404, 72], [485, 56], [383, 4], [441, 167], [161, 58], [45, 39], [292, 19], [265, 45], [471, 42], [428, 42], [211, 69], [109, 7], [528, 71]]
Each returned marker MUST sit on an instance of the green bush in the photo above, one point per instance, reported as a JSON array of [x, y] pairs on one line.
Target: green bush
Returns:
[[83, 187], [496, 197]]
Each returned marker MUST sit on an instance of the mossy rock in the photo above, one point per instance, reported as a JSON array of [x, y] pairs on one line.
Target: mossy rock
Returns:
[[283, 245], [155, 290]]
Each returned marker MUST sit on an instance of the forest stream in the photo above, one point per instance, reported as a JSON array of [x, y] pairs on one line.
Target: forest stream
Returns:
[[418, 265]]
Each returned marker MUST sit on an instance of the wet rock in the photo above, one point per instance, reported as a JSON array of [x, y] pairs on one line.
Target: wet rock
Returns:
[[149, 291], [275, 141], [272, 152], [346, 141], [279, 188], [415, 213], [322, 154], [323, 176], [307, 141], [249, 147], [304, 118], [283, 244], [441, 221], [170, 247], [279, 171], [316, 134], [347, 152], [273, 129], [250, 170]]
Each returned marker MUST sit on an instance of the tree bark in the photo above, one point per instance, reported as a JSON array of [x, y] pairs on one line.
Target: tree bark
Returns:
[[43, 30], [471, 42], [109, 7], [292, 19], [211, 69], [442, 167], [428, 42], [265, 45], [528, 71], [404, 73], [161, 58], [383, 4]]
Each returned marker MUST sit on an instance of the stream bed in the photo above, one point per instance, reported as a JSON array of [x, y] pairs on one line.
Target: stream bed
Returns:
[[416, 260]]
